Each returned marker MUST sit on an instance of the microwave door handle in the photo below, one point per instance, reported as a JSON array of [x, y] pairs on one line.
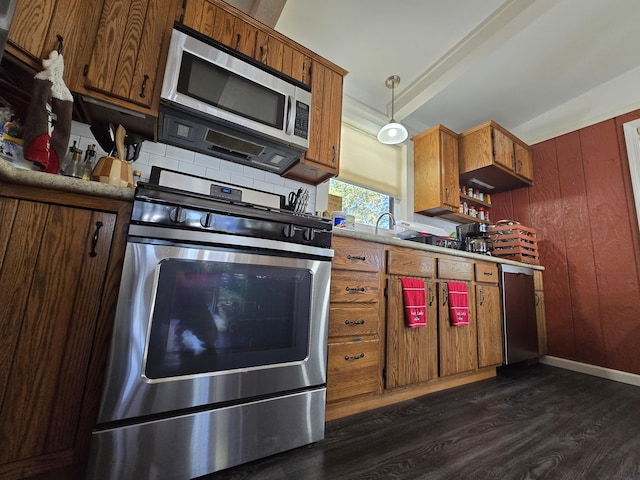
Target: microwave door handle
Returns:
[[290, 116]]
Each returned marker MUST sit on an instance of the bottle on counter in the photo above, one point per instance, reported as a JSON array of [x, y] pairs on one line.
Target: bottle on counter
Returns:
[[87, 164], [74, 168]]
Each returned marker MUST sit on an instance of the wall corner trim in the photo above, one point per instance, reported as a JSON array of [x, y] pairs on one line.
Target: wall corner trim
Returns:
[[609, 374]]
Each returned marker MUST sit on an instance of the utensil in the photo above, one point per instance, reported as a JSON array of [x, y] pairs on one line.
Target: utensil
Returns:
[[103, 137], [120, 134], [115, 170]]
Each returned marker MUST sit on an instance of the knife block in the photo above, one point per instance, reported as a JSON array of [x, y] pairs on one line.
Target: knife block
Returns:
[[113, 171]]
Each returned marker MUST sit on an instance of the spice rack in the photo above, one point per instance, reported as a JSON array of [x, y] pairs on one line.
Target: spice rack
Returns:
[[471, 203]]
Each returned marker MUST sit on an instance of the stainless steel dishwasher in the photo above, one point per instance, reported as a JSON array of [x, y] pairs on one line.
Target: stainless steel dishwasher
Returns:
[[519, 314]]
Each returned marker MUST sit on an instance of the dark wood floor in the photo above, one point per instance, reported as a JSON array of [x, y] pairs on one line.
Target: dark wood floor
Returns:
[[536, 422]]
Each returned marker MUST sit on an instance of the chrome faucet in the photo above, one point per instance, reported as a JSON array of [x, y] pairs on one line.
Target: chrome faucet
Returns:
[[392, 220]]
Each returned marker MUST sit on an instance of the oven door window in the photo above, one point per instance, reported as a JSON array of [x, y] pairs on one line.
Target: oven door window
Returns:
[[221, 88], [211, 317]]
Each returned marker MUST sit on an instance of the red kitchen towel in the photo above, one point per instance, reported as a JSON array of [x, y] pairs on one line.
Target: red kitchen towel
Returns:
[[458, 303], [415, 309]]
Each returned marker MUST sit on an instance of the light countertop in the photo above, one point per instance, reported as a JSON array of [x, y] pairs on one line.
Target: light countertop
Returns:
[[11, 174], [390, 240]]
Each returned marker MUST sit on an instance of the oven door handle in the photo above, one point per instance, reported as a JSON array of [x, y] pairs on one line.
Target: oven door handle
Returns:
[[211, 238]]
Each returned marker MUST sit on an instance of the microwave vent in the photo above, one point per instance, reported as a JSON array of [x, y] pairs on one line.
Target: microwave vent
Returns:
[[234, 144]]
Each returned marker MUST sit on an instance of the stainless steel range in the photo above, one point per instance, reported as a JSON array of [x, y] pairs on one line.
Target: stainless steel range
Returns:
[[219, 348]]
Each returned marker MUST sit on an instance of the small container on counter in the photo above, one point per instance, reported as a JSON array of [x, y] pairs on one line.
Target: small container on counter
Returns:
[[339, 219]]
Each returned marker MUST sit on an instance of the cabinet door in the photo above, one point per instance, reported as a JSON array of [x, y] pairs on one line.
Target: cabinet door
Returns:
[[296, 64], [490, 341], [502, 149], [412, 353], [436, 171], [450, 170], [326, 115], [269, 50], [353, 368], [36, 25], [457, 345], [51, 279], [523, 162], [126, 58]]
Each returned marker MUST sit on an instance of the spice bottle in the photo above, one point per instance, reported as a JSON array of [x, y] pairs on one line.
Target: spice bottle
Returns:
[[472, 211], [481, 213]]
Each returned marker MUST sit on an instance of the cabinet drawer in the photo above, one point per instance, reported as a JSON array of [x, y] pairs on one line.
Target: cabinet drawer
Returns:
[[357, 255], [411, 262], [354, 288], [353, 369], [487, 272], [455, 269], [353, 322]]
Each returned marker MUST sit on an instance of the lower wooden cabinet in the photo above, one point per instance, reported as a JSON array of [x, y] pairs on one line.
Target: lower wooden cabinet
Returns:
[[489, 315], [375, 359], [59, 274], [540, 315], [355, 313], [411, 353], [353, 369], [457, 345]]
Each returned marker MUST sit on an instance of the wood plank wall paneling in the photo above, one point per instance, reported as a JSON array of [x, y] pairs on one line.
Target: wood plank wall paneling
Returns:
[[585, 307], [583, 208]]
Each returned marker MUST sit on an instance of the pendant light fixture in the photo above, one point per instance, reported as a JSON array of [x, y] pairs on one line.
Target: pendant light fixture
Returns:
[[392, 132]]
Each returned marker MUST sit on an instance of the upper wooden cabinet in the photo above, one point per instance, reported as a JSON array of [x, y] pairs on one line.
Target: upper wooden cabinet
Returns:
[[436, 183], [233, 28], [322, 159], [129, 52], [38, 24], [224, 24], [490, 156]]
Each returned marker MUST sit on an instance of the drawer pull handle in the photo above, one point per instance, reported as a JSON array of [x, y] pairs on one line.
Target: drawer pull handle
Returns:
[[355, 289], [488, 273], [354, 357], [354, 322], [356, 257], [94, 241]]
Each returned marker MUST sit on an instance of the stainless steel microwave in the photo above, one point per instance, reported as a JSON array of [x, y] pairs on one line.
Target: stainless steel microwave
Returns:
[[222, 103]]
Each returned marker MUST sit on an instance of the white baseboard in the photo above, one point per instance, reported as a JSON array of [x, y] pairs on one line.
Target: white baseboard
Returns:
[[616, 375]]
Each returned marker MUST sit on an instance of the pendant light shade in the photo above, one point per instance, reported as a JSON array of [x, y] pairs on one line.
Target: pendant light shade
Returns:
[[393, 132]]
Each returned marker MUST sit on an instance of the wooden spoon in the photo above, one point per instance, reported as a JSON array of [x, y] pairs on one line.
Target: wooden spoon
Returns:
[[120, 134]]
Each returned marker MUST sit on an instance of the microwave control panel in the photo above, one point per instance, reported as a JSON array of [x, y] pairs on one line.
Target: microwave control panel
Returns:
[[301, 127]]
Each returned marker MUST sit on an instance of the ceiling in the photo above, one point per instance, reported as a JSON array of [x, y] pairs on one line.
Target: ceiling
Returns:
[[534, 66]]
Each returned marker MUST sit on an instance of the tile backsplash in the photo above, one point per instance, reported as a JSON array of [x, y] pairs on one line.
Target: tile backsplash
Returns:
[[181, 160]]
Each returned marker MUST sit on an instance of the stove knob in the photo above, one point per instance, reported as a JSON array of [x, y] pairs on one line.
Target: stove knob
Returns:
[[208, 220], [289, 231], [178, 215], [309, 234]]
